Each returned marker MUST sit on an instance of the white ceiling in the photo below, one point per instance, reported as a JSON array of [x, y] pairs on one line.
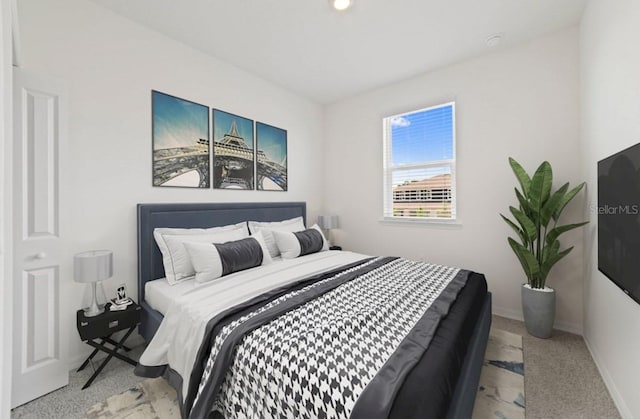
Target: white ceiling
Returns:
[[325, 55]]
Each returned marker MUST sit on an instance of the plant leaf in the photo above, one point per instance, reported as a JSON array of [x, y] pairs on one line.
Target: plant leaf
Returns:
[[524, 203], [517, 229], [528, 226], [552, 260], [554, 233], [568, 197], [528, 261], [549, 250], [521, 175], [540, 186], [552, 204]]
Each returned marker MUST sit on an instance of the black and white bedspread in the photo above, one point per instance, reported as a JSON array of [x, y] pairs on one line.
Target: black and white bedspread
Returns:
[[333, 344]]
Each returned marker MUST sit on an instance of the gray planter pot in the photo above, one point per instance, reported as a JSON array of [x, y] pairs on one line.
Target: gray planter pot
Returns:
[[539, 309]]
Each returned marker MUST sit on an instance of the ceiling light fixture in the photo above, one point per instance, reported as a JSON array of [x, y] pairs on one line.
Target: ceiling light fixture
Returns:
[[341, 4], [494, 40]]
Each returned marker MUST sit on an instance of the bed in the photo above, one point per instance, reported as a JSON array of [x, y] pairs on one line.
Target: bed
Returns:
[[441, 381]]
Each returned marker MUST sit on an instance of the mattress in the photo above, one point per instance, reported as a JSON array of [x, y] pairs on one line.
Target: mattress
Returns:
[[159, 294]]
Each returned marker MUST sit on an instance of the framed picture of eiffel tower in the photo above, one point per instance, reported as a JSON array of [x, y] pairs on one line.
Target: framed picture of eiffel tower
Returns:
[[180, 131], [272, 157], [233, 151]]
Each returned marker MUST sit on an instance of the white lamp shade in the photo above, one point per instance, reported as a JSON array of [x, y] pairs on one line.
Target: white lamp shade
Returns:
[[328, 222], [93, 266]]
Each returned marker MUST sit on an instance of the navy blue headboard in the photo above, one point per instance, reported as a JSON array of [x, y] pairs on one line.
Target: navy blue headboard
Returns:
[[198, 215]]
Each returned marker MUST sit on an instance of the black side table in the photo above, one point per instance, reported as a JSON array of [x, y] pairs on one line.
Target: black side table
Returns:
[[101, 327]]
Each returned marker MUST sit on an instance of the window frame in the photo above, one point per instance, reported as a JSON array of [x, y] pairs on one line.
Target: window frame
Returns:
[[388, 169]]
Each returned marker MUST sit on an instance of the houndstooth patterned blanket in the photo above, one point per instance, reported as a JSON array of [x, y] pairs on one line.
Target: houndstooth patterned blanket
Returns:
[[334, 348]]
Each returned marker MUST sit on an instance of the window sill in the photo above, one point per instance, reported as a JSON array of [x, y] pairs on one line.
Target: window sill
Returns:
[[418, 221]]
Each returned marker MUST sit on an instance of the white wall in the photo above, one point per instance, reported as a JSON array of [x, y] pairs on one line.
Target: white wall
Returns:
[[519, 102], [610, 86], [110, 65]]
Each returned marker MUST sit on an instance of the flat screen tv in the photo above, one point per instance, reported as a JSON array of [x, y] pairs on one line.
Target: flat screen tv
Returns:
[[619, 219]]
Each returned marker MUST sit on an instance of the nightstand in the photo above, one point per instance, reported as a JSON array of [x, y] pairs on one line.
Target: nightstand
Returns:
[[100, 328]]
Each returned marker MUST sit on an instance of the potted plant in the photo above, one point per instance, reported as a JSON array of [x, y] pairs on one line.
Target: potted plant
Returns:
[[537, 246]]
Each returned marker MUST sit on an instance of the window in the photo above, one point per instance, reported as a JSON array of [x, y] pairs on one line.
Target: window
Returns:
[[419, 164]]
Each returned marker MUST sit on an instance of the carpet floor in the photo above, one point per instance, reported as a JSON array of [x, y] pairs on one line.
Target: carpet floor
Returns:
[[561, 381]]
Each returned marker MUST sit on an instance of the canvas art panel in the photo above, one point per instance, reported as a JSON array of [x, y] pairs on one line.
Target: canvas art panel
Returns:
[[271, 143], [181, 153], [233, 151]]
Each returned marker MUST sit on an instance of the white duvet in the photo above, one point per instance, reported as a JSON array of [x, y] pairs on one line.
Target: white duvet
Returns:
[[179, 336]]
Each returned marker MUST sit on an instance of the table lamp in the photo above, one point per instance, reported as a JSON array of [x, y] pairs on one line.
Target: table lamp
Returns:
[[328, 222], [92, 267]]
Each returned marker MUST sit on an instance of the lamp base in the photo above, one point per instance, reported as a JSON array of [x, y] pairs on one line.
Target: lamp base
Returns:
[[94, 309]]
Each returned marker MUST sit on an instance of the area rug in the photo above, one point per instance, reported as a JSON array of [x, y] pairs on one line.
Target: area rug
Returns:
[[149, 399], [501, 390], [500, 393]]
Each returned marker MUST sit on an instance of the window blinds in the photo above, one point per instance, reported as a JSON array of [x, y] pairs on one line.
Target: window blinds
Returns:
[[419, 164]]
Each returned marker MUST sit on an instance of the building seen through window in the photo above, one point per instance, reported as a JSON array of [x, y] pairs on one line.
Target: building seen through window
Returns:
[[423, 198]]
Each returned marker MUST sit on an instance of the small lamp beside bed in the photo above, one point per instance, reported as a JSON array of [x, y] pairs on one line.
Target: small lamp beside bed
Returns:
[[92, 267], [328, 222]]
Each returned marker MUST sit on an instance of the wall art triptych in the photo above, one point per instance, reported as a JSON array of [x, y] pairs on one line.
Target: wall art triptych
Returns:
[[245, 155]]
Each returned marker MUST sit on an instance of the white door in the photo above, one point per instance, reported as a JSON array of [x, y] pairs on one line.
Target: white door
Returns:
[[39, 341], [6, 245]]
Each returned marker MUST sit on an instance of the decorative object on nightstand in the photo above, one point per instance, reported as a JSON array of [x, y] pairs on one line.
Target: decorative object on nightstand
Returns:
[[101, 327], [328, 222], [121, 293], [121, 301], [92, 267]]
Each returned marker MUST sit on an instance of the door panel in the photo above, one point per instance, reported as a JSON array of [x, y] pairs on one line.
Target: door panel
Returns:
[[40, 308], [40, 343], [40, 163]]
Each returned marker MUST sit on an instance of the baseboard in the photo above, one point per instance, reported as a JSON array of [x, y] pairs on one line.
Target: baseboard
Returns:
[[76, 360], [576, 329], [623, 409], [507, 312]]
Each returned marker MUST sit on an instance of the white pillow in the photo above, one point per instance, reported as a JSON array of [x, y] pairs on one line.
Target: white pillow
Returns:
[[292, 224], [301, 243], [176, 260], [208, 260], [159, 234]]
